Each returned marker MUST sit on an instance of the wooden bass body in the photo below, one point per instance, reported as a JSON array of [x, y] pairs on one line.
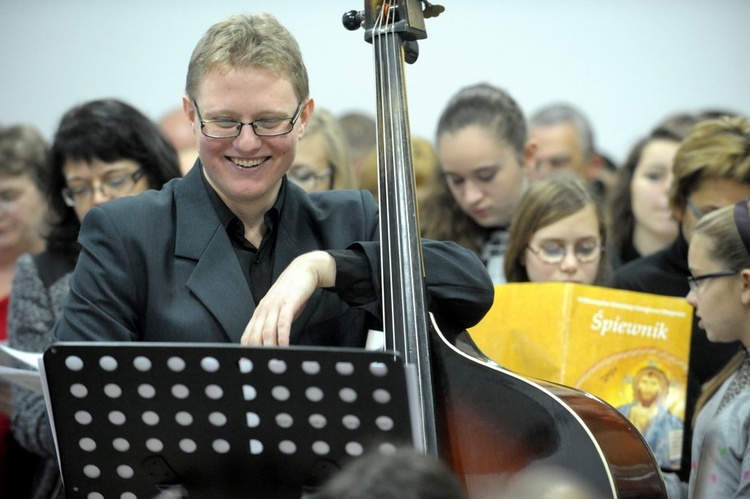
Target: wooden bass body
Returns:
[[494, 424]]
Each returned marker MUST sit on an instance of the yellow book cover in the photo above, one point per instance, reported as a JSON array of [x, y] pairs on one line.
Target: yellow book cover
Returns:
[[630, 349]]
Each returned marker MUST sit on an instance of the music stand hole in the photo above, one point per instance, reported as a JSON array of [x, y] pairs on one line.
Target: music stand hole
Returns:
[[381, 396], [83, 417], [142, 364], [188, 446], [214, 392], [314, 394], [210, 364], [350, 422], [280, 393], [348, 395], [112, 391], [217, 419], [108, 363], [284, 420], [345, 368], [121, 444], [180, 391], [146, 391], [253, 420], [245, 366], [116, 418], [74, 363], [154, 445], [176, 364], [249, 392], [311, 367], [277, 366]]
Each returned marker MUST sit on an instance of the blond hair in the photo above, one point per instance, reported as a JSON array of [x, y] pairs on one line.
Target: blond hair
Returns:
[[242, 41]]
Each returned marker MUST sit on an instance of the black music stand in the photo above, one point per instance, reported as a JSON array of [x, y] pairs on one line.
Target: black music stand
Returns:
[[133, 420]]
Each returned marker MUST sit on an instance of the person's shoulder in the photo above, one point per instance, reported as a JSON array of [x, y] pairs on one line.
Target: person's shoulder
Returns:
[[51, 266], [342, 201], [655, 273], [342, 196], [25, 272], [152, 207]]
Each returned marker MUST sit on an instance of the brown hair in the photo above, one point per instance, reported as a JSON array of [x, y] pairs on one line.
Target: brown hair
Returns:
[[547, 200], [494, 110]]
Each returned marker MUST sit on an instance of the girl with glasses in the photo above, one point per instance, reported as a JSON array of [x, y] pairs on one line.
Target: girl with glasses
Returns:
[[557, 234], [719, 262]]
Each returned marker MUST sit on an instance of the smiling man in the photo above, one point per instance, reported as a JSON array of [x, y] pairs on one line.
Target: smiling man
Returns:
[[234, 252]]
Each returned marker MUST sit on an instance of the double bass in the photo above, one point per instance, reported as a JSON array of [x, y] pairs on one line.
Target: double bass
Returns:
[[487, 423]]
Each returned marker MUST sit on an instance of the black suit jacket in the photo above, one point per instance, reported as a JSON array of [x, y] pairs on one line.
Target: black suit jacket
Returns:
[[160, 267]]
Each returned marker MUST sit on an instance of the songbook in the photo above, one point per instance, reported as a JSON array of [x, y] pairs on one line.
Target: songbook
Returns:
[[630, 349]]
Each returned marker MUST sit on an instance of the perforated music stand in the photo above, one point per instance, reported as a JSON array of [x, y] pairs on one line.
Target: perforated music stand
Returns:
[[214, 420]]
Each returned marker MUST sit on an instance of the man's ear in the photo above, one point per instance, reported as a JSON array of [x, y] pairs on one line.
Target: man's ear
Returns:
[[187, 106], [529, 155], [596, 163], [305, 114]]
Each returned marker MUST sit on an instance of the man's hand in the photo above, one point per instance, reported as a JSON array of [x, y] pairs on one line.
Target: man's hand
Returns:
[[271, 323]]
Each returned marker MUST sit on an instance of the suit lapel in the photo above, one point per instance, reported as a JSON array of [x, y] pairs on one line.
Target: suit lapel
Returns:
[[217, 279]]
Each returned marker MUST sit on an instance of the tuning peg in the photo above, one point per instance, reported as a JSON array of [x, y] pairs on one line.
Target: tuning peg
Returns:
[[352, 20], [431, 10]]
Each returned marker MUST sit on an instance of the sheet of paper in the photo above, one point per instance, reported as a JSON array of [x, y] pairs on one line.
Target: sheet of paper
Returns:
[[22, 377], [10, 357]]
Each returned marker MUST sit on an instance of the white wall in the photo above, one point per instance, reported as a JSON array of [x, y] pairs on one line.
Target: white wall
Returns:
[[626, 63]]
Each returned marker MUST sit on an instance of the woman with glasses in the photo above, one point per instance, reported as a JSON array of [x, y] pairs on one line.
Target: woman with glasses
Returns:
[[719, 280], [102, 150], [323, 159], [557, 234]]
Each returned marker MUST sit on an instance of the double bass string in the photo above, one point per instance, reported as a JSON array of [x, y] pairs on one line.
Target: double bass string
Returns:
[[404, 302]]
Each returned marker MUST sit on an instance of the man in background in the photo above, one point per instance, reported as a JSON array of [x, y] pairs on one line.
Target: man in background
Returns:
[[565, 142]]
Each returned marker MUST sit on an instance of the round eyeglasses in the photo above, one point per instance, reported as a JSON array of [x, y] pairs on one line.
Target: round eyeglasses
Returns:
[[112, 187], [694, 281], [224, 128], [554, 253]]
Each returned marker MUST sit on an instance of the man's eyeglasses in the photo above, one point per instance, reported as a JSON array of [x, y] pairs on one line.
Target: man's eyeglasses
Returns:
[[112, 187], [554, 253], [225, 128], [693, 281]]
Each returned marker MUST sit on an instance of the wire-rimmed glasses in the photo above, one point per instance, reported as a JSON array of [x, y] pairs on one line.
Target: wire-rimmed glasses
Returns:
[[225, 128], [555, 252], [112, 187]]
